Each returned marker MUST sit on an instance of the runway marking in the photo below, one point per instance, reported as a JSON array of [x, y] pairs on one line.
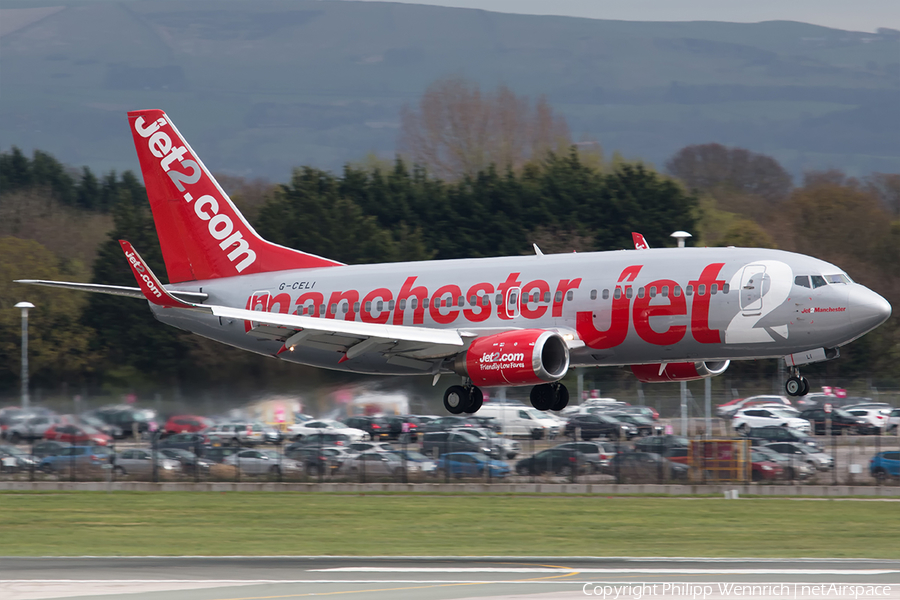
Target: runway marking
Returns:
[[608, 571]]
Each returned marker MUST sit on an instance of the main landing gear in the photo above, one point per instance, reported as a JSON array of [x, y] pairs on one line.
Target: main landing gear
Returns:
[[796, 385], [460, 399], [550, 396]]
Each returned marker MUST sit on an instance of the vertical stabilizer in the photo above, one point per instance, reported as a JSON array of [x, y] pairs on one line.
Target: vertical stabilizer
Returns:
[[202, 233]]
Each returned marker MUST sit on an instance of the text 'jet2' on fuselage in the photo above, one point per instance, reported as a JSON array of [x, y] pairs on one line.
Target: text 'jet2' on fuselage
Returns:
[[671, 314]]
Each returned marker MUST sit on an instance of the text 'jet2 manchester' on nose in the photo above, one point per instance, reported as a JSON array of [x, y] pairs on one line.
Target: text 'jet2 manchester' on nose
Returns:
[[671, 314]]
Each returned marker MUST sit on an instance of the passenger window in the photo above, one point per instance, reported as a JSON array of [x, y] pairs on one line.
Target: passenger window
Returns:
[[391, 305], [345, 307], [321, 309], [558, 297], [690, 290], [714, 289], [498, 300], [403, 304], [653, 291], [606, 294], [472, 300], [379, 306], [802, 280], [414, 304], [424, 302], [640, 292], [546, 296], [485, 300], [460, 301], [618, 293], [701, 290], [593, 294], [333, 308], [818, 281], [665, 291], [676, 291], [569, 295], [369, 306], [628, 293], [726, 288]]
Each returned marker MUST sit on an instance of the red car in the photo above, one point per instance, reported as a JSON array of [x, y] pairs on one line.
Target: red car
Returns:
[[763, 469], [186, 424], [77, 434]]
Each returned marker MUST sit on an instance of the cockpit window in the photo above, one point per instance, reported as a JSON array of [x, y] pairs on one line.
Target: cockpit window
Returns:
[[837, 279], [802, 280], [818, 281]]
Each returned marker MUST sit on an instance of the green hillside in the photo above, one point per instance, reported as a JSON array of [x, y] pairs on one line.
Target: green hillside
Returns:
[[261, 87]]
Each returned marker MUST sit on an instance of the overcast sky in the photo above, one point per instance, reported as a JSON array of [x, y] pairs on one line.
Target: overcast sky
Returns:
[[854, 15]]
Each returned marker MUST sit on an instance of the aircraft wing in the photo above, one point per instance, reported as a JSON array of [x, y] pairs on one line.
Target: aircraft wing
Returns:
[[403, 343], [115, 290]]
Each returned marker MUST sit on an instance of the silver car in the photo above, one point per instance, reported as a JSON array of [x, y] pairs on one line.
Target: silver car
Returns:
[[262, 462], [139, 462], [377, 464], [814, 458]]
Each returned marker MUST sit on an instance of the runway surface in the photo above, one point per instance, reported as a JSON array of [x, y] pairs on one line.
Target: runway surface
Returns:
[[402, 578]]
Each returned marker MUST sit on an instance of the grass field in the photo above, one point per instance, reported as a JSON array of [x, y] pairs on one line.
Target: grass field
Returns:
[[188, 523]]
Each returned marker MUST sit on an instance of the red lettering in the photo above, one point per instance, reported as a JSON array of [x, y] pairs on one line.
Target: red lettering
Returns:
[[643, 312], [407, 291], [542, 287], [483, 311], [382, 294], [318, 299], [351, 296], [617, 331], [435, 309], [564, 286], [283, 301], [700, 305], [502, 289]]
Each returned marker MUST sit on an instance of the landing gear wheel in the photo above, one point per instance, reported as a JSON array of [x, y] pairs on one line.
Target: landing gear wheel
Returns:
[[794, 386], [476, 399], [805, 390], [562, 397], [543, 396], [456, 399]]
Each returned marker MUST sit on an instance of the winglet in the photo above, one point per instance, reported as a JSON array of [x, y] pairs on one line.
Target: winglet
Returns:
[[537, 250], [152, 289], [639, 242]]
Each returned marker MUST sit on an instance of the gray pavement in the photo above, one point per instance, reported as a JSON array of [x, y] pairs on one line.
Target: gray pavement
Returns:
[[497, 578]]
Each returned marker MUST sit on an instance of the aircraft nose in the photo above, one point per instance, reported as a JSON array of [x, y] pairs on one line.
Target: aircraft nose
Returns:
[[868, 308]]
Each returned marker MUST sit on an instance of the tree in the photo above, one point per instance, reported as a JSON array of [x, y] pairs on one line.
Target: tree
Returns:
[[458, 131]]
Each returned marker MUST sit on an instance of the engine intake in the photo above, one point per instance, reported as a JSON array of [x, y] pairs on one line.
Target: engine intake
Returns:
[[683, 371], [521, 357]]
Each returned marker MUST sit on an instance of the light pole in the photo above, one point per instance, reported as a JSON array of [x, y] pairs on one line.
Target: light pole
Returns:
[[24, 306]]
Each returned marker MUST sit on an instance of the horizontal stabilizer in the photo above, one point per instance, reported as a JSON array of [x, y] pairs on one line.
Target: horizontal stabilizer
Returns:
[[114, 290]]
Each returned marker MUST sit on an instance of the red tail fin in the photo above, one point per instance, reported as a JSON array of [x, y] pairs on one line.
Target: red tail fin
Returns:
[[202, 234]]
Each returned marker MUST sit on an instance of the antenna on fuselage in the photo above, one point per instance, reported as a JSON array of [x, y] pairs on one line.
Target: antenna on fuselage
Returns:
[[681, 236]]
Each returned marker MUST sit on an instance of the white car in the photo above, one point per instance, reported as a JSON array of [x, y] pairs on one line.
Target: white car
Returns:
[[138, 461], [262, 462], [360, 447], [874, 416], [893, 420], [729, 410], [237, 434], [298, 431], [746, 418]]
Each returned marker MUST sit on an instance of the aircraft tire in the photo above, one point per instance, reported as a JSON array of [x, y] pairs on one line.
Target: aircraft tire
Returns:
[[793, 386], [456, 399], [561, 398], [805, 389], [543, 396], [476, 399]]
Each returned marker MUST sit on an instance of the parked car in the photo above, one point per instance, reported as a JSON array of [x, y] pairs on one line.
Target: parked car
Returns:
[[595, 426], [518, 420], [186, 424], [645, 467], [757, 416], [377, 464], [375, 427], [893, 420], [190, 462], [80, 456], [658, 444], [317, 461], [218, 454], [193, 442], [841, 422], [30, 428], [488, 422], [597, 454], [360, 447], [640, 410], [559, 461], [113, 431], [875, 416], [236, 434], [48, 448], [644, 425], [447, 423], [470, 464], [327, 438], [426, 464], [13, 460], [298, 431], [791, 467], [763, 468], [765, 435], [815, 458], [128, 418], [677, 455], [885, 464], [509, 448], [77, 434], [138, 462], [443, 442], [727, 410], [262, 462]]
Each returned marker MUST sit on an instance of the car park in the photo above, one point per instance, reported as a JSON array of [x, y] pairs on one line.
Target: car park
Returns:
[[815, 458], [884, 465], [645, 467], [139, 462], [470, 464], [766, 435], [262, 462], [593, 426], [746, 418], [842, 422], [559, 461]]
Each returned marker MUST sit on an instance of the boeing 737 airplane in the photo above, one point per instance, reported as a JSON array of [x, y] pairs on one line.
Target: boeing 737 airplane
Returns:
[[671, 314]]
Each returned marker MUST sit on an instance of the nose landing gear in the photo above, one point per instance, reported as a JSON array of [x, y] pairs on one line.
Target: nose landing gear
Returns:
[[796, 385], [460, 399]]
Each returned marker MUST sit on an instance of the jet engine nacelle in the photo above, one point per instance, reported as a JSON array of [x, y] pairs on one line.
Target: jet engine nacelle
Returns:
[[521, 357], [683, 371]]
